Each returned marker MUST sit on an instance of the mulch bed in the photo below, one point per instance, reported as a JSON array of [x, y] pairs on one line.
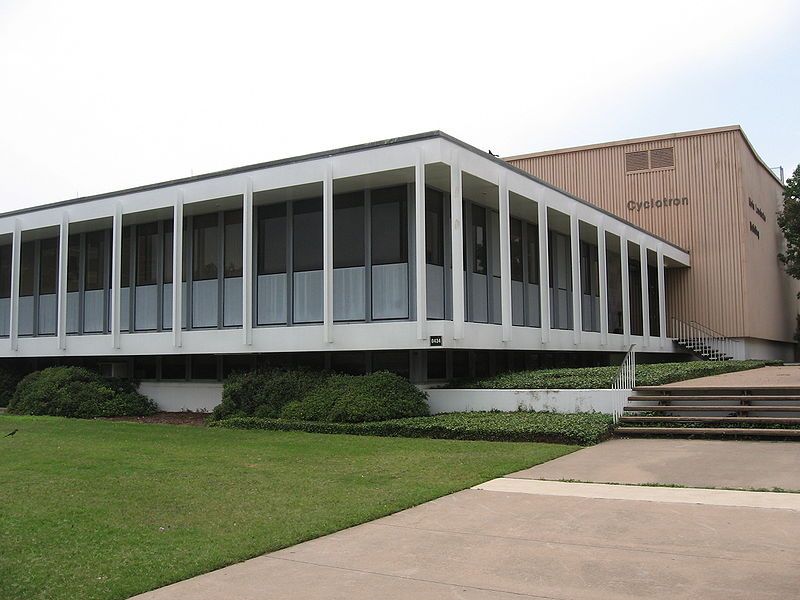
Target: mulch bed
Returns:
[[168, 418]]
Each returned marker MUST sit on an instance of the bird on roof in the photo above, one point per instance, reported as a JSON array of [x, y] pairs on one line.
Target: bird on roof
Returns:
[[493, 154]]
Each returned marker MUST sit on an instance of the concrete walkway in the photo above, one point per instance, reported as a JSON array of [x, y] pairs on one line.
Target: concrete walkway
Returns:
[[778, 377], [518, 537]]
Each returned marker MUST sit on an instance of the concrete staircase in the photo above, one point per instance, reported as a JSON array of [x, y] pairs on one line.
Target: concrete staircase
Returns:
[[753, 412]]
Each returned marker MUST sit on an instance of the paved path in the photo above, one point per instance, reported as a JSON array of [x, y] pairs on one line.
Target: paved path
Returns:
[[517, 537], [786, 376]]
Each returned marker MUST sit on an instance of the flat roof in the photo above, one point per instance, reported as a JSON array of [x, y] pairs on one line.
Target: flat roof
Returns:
[[651, 138], [325, 154]]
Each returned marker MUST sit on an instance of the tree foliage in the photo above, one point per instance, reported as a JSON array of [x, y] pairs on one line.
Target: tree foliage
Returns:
[[789, 222]]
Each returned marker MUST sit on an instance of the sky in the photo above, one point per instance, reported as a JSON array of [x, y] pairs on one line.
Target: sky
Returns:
[[97, 96]]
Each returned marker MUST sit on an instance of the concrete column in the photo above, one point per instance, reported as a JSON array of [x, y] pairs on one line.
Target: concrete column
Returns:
[[16, 245], [419, 242], [327, 254], [645, 295], [457, 249], [544, 273], [662, 297], [603, 277], [247, 264], [177, 271], [626, 296], [505, 261], [116, 275], [575, 258], [63, 250]]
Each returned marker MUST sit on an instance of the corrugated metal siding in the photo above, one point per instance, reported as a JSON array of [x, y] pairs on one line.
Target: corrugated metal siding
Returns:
[[707, 173]]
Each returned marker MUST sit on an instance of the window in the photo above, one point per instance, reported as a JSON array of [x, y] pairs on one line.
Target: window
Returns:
[[125, 270], [169, 231], [434, 227], [478, 240], [389, 226], [348, 230], [95, 259], [73, 263], [394, 361], [26, 268], [5, 271], [636, 161], [173, 367], [204, 366], [147, 254], [533, 254], [205, 247], [516, 250], [233, 243], [307, 235], [48, 266], [272, 239]]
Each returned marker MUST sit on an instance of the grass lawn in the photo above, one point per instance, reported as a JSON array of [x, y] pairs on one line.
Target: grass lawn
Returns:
[[100, 509]]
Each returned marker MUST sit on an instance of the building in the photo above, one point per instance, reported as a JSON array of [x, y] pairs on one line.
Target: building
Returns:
[[347, 259], [708, 192]]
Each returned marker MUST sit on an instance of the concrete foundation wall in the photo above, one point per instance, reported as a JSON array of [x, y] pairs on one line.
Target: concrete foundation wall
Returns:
[[560, 401], [179, 396]]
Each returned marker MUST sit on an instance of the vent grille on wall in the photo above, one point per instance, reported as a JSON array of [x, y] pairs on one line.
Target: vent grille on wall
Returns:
[[660, 158]]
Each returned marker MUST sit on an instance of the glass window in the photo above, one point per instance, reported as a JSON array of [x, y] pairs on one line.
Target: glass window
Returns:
[[95, 259], [307, 235], [5, 271], [169, 230], [272, 239], [478, 240], [144, 367], [389, 226], [348, 230], [233, 243], [434, 227], [533, 254], [48, 266], [349, 363], [173, 367], [437, 364], [73, 263], [27, 252], [205, 247], [394, 361], [204, 366], [516, 250], [125, 270], [147, 254]]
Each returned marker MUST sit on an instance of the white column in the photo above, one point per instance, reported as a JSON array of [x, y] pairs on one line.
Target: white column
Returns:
[[575, 257], [626, 297], [177, 271], [662, 297], [544, 273], [247, 264], [116, 274], [419, 239], [603, 277], [327, 254], [16, 245], [63, 249], [645, 296], [505, 261], [457, 249]]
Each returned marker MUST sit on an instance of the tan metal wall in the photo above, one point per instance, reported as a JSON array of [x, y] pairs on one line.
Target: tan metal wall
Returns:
[[735, 285]]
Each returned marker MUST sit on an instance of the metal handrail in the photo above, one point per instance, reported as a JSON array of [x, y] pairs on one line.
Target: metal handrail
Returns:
[[624, 382], [698, 337]]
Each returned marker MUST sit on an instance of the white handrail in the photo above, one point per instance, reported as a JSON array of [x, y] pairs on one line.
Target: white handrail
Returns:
[[703, 340], [625, 381]]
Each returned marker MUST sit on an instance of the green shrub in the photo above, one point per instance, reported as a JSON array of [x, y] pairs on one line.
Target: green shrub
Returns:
[[521, 426], [9, 378], [359, 398], [603, 377], [77, 392], [264, 392]]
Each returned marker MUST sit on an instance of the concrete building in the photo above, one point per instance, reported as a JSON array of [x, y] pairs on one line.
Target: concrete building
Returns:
[[349, 259], [708, 192]]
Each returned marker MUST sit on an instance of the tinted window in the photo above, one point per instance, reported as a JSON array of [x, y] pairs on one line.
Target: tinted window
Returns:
[[169, 230], [48, 266], [233, 243], [434, 227], [516, 250], [389, 226], [147, 254], [5, 271], [533, 254], [73, 263], [478, 240], [272, 239], [125, 270], [27, 251], [307, 234], [348, 230], [95, 260], [205, 247]]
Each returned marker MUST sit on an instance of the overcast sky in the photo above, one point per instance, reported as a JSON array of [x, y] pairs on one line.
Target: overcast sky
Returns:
[[101, 95]]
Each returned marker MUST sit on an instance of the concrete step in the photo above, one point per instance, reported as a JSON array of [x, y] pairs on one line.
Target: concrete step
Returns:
[[720, 389], [712, 408], [709, 398], [695, 419], [709, 431]]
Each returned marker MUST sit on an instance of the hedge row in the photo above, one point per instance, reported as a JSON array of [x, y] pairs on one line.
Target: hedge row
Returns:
[[521, 426], [603, 377]]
